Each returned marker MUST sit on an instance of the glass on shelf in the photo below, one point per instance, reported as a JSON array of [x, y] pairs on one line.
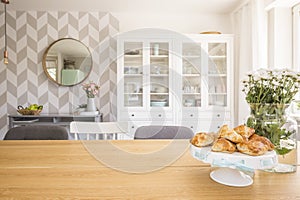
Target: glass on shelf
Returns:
[[191, 101], [133, 100], [133, 60], [217, 85], [159, 69], [188, 89], [133, 70], [159, 49]]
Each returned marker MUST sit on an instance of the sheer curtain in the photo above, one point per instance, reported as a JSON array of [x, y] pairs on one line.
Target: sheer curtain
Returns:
[[296, 38], [250, 30]]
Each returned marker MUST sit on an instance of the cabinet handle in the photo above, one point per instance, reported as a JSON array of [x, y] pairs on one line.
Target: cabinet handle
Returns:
[[191, 115], [132, 115], [192, 126], [159, 115], [218, 115], [132, 127], [218, 127]]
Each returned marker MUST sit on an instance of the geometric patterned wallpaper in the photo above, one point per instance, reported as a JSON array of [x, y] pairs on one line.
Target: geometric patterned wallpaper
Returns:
[[23, 81]]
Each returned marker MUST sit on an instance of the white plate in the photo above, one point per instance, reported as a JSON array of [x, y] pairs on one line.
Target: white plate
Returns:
[[231, 177], [266, 161]]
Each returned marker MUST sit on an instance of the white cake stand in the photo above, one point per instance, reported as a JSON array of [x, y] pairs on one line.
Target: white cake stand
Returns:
[[236, 169]]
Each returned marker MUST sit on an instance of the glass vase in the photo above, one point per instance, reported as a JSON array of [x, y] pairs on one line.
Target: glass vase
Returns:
[[273, 122]]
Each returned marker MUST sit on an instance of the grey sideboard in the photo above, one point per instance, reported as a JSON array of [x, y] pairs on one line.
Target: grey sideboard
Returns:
[[50, 119]]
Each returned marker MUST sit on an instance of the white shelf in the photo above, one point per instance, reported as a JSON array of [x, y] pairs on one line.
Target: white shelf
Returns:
[[157, 93], [133, 56], [217, 57], [195, 93], [159, 56], [192, 56], [159, 75], [133, 93], [223, 93], [133, 75], [191, 75], [217, 75]]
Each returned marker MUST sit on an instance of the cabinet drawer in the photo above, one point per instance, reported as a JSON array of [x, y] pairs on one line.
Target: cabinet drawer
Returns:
[[146, 116], [187, 115], [204, 125], [161, 116], [128, 116]]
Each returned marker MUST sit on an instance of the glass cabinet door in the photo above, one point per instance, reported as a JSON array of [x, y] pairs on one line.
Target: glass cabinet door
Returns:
[[191, 75], [133, 74], [217, 74], [159, 74]]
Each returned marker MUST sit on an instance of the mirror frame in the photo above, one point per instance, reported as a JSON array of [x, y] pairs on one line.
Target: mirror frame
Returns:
[[45, 58]]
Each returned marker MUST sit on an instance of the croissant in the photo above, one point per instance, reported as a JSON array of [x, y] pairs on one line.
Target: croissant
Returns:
[[223, 129], [264, 140], [252, 147], [232, 136], [244, 131], [223, 145], [202, 139]]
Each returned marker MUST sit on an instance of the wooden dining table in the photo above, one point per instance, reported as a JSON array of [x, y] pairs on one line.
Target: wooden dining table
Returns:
[[123, 169]]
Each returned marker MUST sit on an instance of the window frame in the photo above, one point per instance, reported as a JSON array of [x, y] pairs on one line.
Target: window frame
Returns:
[[296, 37]]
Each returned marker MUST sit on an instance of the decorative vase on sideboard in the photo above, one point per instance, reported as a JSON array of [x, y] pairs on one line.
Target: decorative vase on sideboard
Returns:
[[273, 122], [91, 106]]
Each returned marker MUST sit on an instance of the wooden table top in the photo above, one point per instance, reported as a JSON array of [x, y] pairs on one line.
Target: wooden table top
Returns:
[[70, 170]]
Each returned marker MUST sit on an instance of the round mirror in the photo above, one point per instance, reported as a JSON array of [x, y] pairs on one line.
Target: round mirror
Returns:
[[67, 62]]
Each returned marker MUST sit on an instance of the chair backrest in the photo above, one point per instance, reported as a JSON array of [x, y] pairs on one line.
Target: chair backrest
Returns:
[[37, 132], [92, 130], [163, 132]]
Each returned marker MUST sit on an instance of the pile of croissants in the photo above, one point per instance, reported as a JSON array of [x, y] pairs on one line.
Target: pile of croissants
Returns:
[[239, 139]]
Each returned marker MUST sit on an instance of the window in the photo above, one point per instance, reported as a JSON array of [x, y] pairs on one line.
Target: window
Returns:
[[296, 37]]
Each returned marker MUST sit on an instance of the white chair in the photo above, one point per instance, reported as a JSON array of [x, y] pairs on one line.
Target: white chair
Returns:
[[97, 129]]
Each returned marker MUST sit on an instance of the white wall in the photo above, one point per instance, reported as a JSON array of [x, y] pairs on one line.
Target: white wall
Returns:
[[280, 38], [182, 23], [189, 16]]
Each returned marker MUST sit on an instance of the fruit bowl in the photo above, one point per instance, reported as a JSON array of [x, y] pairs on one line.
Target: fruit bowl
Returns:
[[30, 111]]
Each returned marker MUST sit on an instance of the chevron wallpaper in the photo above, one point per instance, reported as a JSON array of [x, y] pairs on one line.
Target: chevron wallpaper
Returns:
[[23, 81]]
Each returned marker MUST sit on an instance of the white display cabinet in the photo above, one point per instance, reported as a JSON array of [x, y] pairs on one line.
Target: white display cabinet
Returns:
[[164, 79], [207, 80]]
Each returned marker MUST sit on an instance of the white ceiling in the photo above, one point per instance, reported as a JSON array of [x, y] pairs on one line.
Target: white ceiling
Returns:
[[117, 6]]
